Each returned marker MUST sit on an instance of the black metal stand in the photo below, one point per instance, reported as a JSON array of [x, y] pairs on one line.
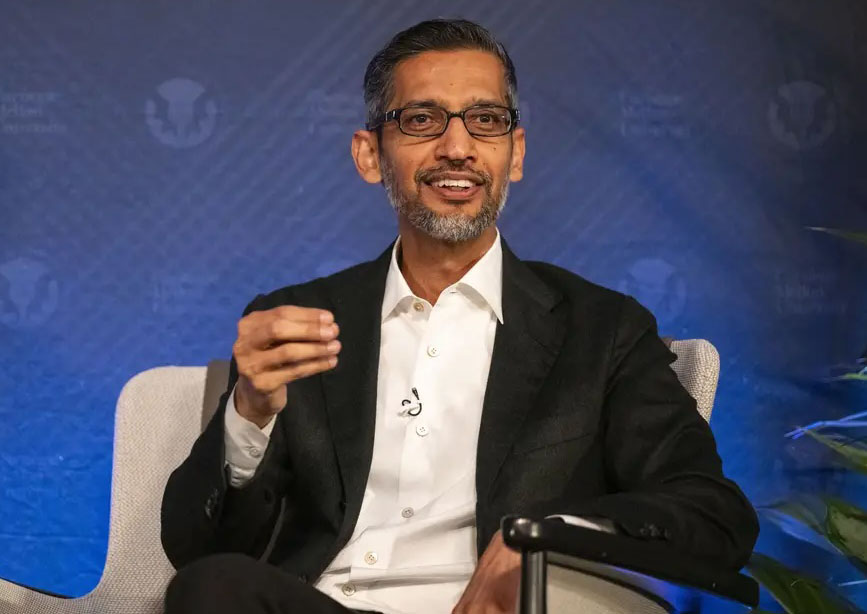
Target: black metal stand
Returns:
[[534, 583]]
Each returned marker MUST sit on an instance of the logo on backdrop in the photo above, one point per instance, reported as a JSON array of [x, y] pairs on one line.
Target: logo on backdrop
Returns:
[[811, 291], [802, 115], [29, 293], [30, 112], [330, 113], [182, 115], [658, 286], [653, 115]]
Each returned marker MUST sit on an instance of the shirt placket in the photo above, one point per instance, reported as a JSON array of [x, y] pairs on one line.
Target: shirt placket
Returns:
[[420, 435], [372, 553]]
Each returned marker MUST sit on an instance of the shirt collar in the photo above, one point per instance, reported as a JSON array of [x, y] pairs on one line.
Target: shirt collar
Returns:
[[485, 278]]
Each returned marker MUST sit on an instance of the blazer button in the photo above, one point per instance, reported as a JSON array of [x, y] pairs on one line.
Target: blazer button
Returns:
[[211, 504], [644, 531], [302, 578]]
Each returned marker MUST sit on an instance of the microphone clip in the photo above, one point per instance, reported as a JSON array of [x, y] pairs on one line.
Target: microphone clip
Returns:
[[409, 408]]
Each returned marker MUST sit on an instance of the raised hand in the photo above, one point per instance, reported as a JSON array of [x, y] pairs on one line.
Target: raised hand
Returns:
[[275, 347]]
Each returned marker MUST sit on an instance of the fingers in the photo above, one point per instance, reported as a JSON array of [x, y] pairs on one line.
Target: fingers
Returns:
[[265, 329], [287, 354], [268, 381], [286, 343]]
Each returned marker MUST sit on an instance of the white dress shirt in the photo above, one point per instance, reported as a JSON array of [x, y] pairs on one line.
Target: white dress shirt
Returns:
[[415, 539]]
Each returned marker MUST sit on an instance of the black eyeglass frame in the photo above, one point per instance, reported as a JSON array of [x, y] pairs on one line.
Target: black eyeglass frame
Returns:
[[394, 115]]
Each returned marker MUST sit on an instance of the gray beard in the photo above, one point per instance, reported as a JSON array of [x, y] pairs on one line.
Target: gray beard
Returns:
[[451, 228]]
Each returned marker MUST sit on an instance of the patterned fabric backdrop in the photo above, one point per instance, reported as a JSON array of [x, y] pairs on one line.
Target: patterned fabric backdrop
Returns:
[[162, 162]]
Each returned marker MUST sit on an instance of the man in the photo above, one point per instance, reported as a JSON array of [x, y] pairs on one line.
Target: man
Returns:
[[370, 473]]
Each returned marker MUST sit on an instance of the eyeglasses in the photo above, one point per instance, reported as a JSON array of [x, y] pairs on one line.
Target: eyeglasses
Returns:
[[430, 120]]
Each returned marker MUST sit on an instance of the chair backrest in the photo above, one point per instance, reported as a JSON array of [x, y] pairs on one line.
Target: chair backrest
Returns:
[[158, 417], [697, 368]]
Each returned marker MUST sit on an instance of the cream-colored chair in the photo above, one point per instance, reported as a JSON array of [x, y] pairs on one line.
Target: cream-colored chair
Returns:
[[160, 412]]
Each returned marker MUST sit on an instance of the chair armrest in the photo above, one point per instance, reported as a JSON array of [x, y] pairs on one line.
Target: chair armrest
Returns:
[[20, 599], [650, 568]]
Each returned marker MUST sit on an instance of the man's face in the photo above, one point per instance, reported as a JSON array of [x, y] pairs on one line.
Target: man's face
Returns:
[[411, 167]]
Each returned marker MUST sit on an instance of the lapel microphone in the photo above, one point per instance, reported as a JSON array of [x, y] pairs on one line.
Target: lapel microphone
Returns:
[[410, 408]]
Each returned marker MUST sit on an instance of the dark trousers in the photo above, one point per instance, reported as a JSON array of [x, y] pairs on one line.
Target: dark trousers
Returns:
[[238, 584]]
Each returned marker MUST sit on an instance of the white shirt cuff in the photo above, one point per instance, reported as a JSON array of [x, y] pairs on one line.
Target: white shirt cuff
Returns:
[[245, 444], [600, 524]]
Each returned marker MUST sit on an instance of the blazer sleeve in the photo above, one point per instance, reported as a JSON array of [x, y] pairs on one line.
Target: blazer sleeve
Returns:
[[202, 514], [661, 456]]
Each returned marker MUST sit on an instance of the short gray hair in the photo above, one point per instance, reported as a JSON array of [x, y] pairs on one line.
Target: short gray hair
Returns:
[[431, 35]]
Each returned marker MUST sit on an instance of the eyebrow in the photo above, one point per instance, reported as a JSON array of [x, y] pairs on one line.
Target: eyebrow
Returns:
[[475, 101]]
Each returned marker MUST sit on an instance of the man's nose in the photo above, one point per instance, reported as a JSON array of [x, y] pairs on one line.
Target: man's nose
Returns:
[[456, 143]]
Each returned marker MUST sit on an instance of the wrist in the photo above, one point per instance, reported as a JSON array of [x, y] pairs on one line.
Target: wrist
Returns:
[[242, 408]]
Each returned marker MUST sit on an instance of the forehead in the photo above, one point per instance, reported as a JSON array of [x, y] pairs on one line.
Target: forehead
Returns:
[[452, 78]]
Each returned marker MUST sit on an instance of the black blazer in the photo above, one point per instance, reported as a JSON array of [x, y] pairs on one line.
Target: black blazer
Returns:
[[582, 415]]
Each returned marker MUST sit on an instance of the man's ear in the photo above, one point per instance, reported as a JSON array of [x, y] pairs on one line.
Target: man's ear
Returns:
[[516, 166], [365, 152]]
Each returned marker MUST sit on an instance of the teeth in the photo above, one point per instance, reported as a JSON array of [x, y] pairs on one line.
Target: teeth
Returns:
[[453, 183]]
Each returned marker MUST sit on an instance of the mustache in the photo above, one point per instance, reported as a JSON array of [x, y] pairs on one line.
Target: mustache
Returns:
[[431, 174]]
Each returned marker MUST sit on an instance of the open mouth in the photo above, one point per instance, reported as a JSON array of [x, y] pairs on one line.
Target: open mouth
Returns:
[[454, 189]]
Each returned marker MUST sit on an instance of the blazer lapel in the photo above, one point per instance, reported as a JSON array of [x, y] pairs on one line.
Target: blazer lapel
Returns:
[[525, 347], [350, 388]]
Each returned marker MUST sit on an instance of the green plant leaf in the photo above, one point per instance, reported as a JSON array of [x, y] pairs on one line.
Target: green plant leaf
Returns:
[[860, 237], [846, 528], [830, 523], [860, 377], [798, 593], [853, 452], [803, 519]]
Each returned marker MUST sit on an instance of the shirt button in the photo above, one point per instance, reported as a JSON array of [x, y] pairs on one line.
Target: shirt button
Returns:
[[255, 452], [433, 351], [348, 590], [418, 307], [407, 512], [422, 430], [370, 557]]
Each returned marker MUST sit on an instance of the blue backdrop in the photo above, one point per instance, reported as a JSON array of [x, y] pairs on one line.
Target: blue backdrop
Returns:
[[163, 162]]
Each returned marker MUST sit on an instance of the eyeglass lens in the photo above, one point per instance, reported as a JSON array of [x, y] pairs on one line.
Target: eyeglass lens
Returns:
[[480, 121]]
